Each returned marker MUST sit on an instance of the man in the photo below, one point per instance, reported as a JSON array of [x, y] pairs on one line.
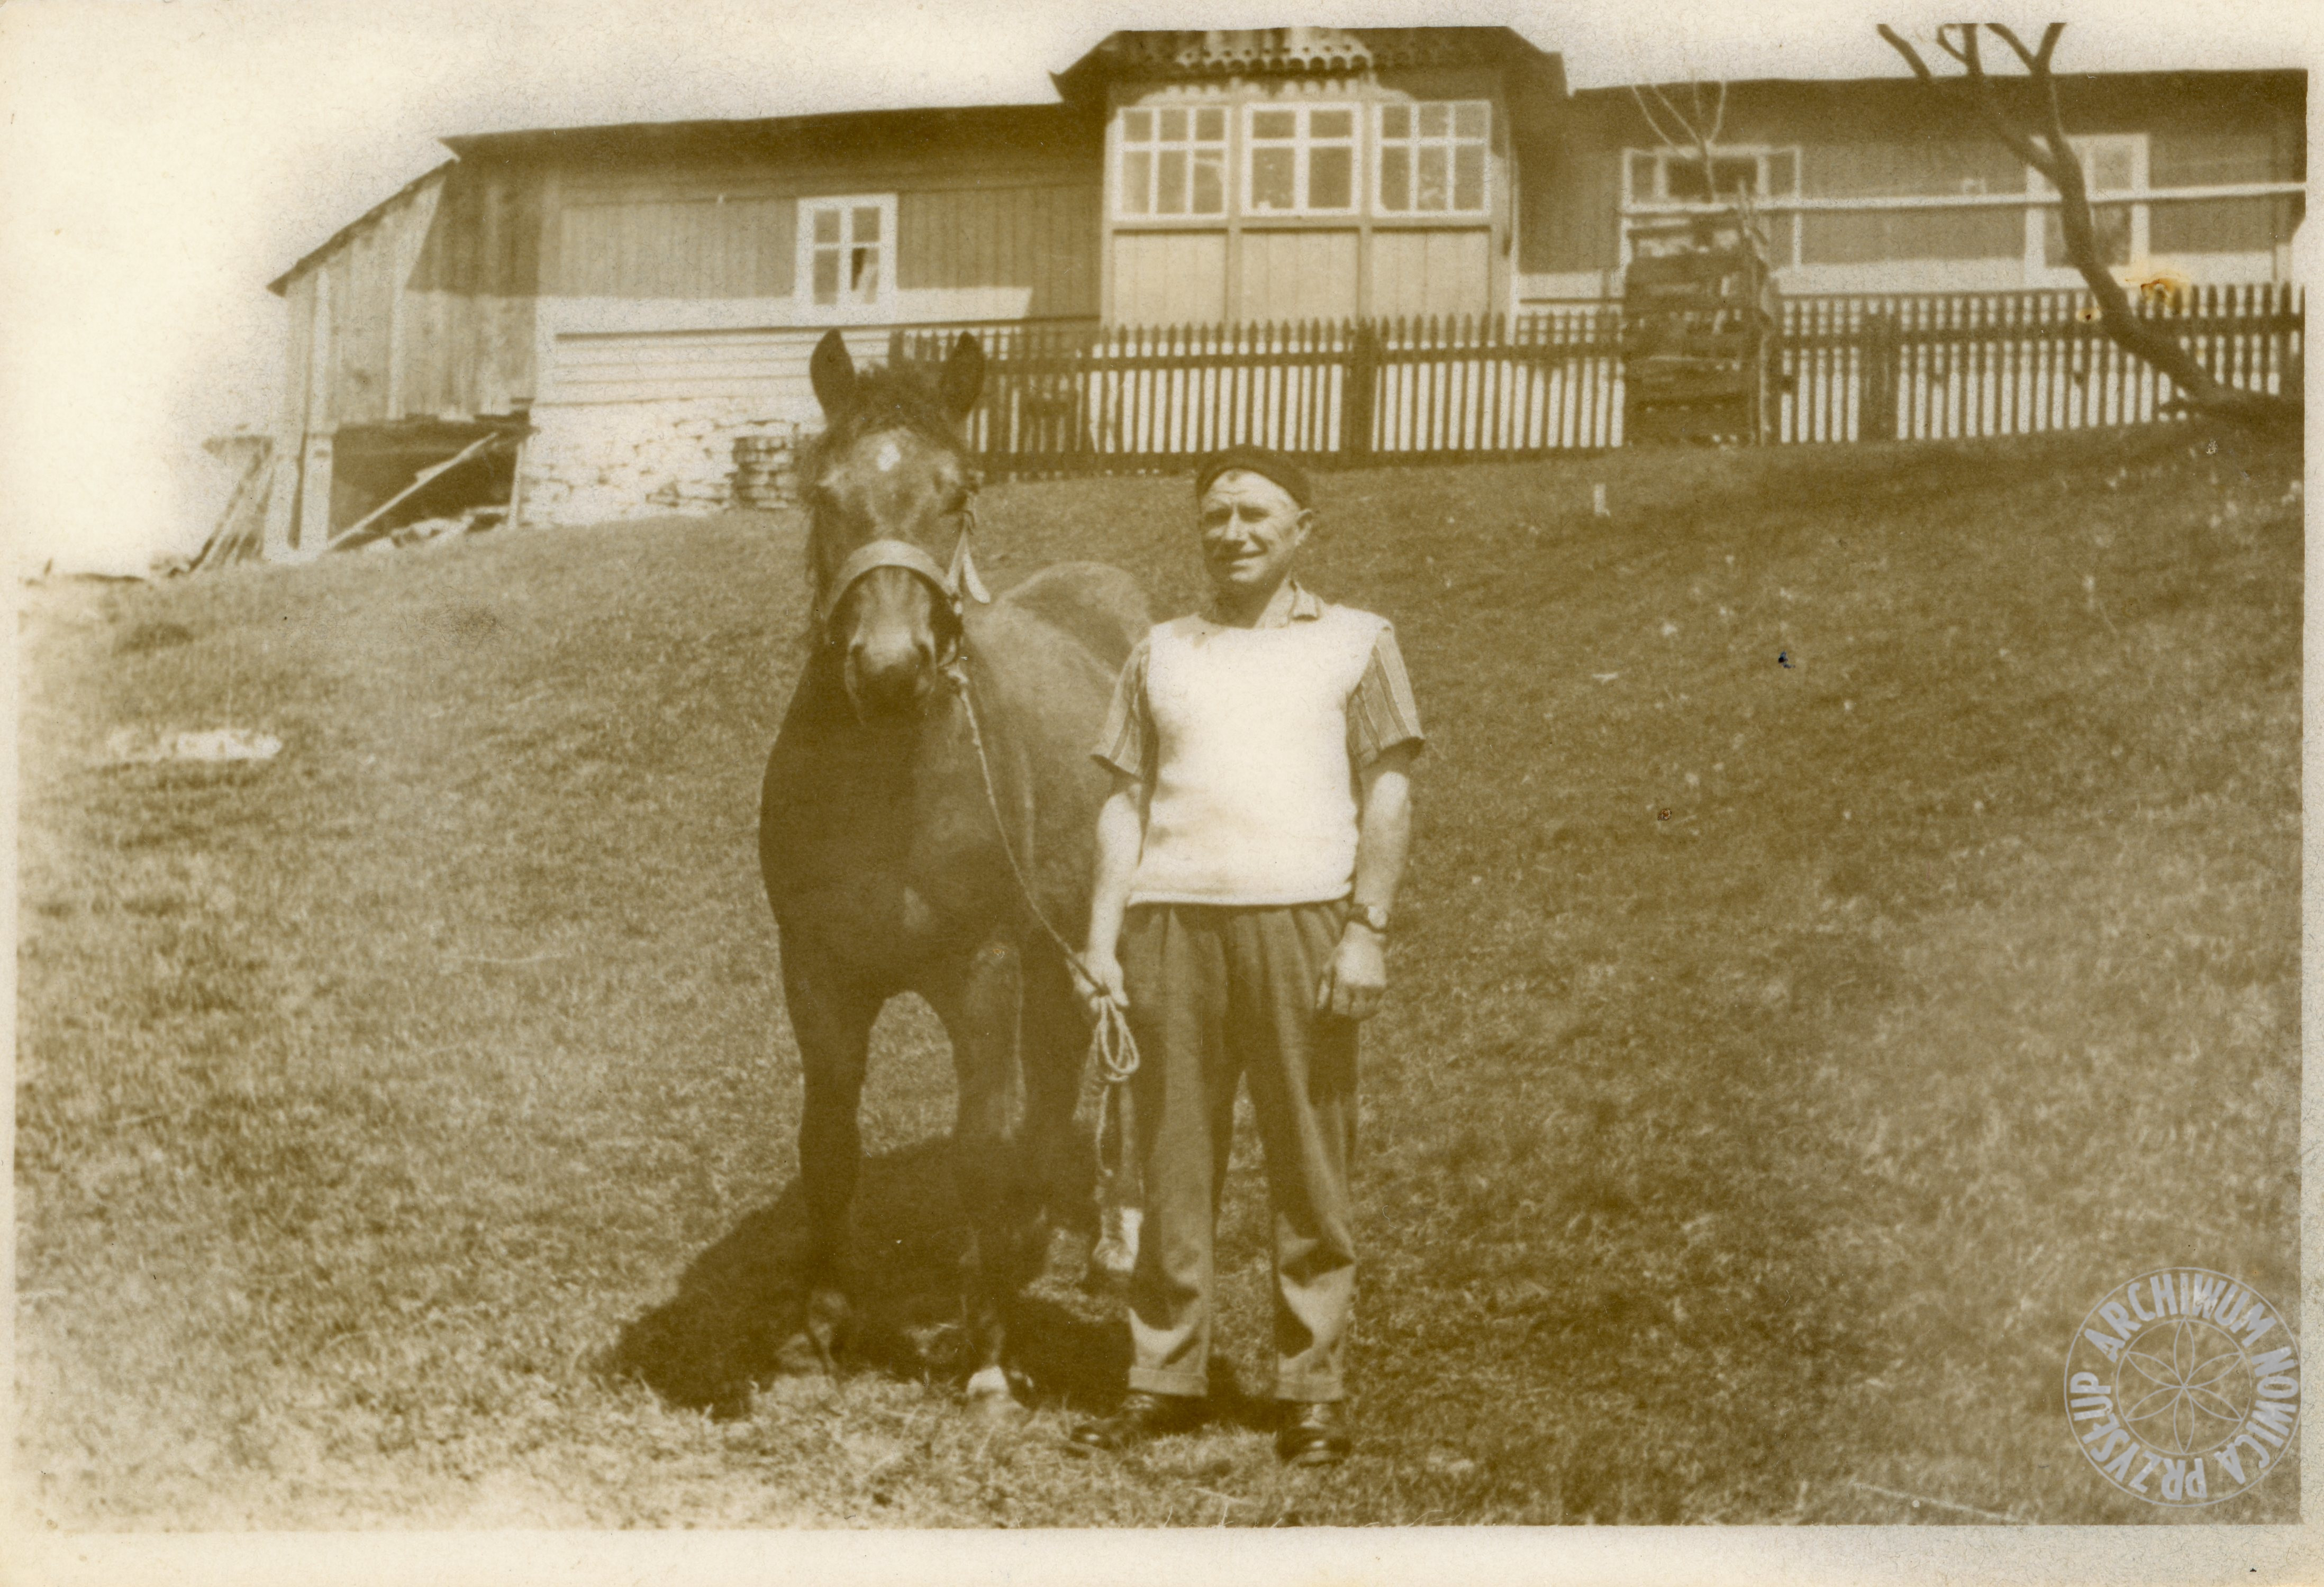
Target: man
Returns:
[[1248, 858]]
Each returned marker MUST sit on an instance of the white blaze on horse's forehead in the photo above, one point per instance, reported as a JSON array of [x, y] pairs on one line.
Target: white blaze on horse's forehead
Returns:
[[888, 456]]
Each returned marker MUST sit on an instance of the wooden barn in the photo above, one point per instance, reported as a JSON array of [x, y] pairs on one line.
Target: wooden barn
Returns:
[[632, 299], [587, 319]]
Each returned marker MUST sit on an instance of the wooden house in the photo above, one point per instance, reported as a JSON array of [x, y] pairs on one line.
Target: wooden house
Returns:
[[628, 301], [1876, 186]]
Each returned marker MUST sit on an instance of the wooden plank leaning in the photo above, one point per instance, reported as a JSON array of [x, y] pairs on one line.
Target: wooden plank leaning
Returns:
[[361, 529]]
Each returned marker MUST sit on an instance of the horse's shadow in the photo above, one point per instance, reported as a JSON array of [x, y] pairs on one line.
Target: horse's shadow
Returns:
[[738, 1317]]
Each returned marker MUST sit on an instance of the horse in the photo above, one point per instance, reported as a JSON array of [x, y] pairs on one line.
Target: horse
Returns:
[[882, 831]]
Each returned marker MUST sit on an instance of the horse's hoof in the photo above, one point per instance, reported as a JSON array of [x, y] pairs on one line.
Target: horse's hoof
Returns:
[[1115, 1253], [991, 1396], [799, 1356], [826, 1326]]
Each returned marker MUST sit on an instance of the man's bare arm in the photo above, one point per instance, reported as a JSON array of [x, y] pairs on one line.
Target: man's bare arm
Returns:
[[1121, 836], [1358, 975]]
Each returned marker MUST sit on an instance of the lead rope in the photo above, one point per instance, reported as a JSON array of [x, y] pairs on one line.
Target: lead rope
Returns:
[[1113, 1050]]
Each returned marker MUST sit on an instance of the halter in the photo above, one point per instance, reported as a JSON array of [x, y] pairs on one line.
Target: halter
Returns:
[[958, 585]]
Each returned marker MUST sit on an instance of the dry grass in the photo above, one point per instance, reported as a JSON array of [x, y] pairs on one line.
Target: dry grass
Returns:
[[1782, 1057]]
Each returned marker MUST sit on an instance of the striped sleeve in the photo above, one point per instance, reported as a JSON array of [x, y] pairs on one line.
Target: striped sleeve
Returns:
[[1127, 741], [1382, 714]]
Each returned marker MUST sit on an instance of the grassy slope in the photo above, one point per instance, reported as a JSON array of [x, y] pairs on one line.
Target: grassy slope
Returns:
[[1782, 1058]]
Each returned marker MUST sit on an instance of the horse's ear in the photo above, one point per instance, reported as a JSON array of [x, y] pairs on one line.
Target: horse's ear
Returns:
[[832, 372], [963, 377]]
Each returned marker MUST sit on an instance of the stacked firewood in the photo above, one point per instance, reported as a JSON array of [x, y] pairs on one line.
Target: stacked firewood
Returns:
[[762, 471], [1699, 332]]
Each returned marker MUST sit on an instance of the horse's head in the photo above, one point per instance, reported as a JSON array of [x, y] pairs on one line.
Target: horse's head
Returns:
[[888, 485]]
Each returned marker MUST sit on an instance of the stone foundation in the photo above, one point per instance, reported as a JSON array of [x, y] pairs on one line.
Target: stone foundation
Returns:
[[600, 462]]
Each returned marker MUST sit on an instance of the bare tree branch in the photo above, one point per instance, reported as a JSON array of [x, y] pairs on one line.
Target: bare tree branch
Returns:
[[2047, 149], [1912, 56], [2036, 63], [1654, 123], [1718, 113], [1979, 91], [1700, 140]]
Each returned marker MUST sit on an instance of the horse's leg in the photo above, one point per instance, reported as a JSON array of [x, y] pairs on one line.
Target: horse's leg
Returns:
[[832, 1020], [980, 1004]]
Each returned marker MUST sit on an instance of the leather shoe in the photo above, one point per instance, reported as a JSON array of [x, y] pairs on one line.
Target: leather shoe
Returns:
[[1141, 1415], [1315, 1433]]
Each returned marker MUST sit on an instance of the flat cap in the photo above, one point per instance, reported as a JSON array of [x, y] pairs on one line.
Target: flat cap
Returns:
[[1284, 470]]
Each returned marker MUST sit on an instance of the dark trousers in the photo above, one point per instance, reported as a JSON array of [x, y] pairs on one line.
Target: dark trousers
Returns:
[[1219, 994]]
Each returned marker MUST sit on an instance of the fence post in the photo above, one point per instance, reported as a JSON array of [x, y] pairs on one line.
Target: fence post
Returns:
[[1876, 420], [1362, 389]]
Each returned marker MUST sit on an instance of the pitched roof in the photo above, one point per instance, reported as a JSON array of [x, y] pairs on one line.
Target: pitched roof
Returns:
[[769, 136], [301, 265]]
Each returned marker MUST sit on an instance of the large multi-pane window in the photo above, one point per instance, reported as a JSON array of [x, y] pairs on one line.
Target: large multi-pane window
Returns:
[[1672, 176], [1431, 157], [1174, 161], [1677, 176], [1300, 160], [1425, 159], [2113, 165]]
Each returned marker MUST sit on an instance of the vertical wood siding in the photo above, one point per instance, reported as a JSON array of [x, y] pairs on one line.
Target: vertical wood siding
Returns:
[[1031, 250], [1297, 275], [968, 253], [1169, 278], [694, 248], [425, 308], [1575, 224], [299, 353], [1419, 273]]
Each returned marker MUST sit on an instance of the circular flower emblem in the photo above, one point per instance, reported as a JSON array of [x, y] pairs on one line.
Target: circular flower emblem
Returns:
[[2182, 1387]]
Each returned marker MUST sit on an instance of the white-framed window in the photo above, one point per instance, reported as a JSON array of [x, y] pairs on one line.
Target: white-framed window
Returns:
[[847, 255], [1299, 160], [1174, 161], [1433, 157], [2112, 167], [1673, 175]]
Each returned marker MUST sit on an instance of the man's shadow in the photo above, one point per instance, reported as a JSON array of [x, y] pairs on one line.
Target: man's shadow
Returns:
[[737, 1318]]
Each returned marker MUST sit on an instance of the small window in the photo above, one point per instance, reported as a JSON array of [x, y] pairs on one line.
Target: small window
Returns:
[[1174, 161], [1301, 160], [847, 255], [1431, 157]]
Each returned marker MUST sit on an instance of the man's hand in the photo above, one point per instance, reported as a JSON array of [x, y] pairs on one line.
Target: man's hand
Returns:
[[1097, 975], [1357, 977]]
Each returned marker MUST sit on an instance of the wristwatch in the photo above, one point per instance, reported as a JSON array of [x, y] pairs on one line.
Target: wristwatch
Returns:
[[1374, 917]]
